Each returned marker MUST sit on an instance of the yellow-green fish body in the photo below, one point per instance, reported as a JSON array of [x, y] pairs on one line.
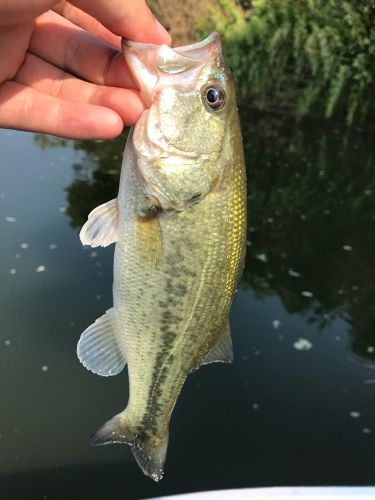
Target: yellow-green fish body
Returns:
[[179, 224]]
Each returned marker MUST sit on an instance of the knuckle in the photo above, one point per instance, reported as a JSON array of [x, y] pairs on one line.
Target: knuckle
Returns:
[[70, 52]]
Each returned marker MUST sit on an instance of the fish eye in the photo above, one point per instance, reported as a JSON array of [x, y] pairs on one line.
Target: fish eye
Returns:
[[214, 97]]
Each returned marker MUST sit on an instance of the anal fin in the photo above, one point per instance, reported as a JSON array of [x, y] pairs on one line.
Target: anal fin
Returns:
[[97, 348], [101, 226]]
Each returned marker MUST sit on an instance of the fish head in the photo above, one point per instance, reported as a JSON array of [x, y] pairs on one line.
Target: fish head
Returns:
[[190, 97]]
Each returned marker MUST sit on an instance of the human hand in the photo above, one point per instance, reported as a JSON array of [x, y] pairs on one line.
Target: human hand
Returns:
[[61, 68]]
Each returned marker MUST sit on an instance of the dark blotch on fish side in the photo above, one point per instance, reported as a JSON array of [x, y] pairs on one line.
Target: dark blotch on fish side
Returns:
[[180, 290], [175, 290]]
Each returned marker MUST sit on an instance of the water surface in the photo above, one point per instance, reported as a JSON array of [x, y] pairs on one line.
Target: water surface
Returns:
[[297, 407]]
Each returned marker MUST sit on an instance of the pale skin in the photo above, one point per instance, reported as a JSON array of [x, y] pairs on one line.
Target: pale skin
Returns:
[[61, 68]]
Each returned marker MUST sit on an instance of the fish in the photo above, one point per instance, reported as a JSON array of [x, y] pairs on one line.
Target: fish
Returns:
[[179, 226]]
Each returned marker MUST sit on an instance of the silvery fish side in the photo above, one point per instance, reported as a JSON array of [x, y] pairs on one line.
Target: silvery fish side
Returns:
[[179, 224]]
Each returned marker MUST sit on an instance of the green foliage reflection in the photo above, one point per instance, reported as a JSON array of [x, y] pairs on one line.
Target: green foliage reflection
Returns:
[[96, 176], [312, 222]]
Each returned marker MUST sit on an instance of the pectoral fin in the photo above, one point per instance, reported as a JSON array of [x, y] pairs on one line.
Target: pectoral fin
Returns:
[[101, 226], [222, 351], [97, 348]]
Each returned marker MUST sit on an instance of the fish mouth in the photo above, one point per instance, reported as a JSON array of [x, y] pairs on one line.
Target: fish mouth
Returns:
[[193, 48], [155, 66]]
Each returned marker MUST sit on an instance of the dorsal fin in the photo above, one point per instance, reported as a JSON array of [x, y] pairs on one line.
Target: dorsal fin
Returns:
[[222, 351]]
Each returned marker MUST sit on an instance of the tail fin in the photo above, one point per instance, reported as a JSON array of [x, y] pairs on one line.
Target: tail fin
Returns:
[[149, 451]]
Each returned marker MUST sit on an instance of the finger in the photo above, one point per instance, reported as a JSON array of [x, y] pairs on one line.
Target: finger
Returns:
[[14, 41], [48, 79], [24, 108], [127, 18], [19, 11], [69, 47], [86, 22]]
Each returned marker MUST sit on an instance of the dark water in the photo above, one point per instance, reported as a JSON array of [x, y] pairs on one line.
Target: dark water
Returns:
[[297, 407]]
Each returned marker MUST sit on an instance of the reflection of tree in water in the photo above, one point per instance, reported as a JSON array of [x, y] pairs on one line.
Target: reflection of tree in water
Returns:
[[96, 176], [311, 217], [312, 221]]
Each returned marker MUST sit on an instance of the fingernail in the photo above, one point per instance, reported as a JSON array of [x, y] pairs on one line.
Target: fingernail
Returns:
[[163, 33]]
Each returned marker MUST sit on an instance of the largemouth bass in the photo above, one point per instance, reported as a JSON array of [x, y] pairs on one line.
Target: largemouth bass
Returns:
[[179, 224]]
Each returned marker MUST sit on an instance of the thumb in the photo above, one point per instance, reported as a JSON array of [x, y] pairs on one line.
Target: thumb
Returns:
[[127, 18], [20, 11]]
